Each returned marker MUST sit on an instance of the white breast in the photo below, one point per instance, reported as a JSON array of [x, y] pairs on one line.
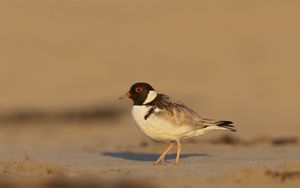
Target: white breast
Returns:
[[157, 128]]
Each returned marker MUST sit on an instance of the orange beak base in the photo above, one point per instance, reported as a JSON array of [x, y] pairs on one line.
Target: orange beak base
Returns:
[[128, 95]]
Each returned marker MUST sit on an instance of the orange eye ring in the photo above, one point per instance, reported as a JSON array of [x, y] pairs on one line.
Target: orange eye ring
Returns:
[[138, 89]]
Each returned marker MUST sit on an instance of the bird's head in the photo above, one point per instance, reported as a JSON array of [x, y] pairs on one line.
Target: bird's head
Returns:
[[141, 93]]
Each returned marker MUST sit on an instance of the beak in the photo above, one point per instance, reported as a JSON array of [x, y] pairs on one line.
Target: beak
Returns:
[[128, 95]]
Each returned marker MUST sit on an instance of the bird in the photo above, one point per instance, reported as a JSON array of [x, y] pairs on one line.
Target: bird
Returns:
[[165, 119]]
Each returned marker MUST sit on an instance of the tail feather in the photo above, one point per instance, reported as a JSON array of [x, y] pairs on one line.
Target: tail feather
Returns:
[[226, 124], [221, 124]]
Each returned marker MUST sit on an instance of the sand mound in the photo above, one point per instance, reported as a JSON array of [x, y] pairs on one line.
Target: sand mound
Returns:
[[286, 174], [31, 168], [36, 174]]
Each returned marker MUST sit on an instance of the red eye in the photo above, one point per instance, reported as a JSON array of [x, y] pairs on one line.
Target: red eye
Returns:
[[138, 89]]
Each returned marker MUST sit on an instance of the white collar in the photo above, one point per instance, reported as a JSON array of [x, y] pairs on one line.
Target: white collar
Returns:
[[150, 97]]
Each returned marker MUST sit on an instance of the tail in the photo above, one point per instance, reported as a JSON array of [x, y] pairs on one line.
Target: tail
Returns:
[[221, 124], [226, 124]]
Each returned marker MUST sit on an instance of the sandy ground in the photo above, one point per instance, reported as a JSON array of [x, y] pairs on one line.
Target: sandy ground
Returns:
[[64, 63], [115, 153]]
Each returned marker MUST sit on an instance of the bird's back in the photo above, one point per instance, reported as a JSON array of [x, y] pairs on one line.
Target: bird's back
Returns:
[[180, 114]]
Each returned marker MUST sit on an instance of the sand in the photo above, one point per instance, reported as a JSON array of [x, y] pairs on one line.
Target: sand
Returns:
[[87, 152]]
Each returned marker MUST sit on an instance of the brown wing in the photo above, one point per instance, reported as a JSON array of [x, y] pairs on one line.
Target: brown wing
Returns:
[[176, 111]]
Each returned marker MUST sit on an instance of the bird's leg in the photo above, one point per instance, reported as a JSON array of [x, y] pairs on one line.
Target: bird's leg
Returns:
[[178, 151], [162, 156]]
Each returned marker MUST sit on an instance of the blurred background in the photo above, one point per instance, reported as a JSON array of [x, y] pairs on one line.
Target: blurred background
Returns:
[[72, 59], [234, 60]]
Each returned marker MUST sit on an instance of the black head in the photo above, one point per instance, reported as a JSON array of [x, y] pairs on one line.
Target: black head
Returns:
[[139, 92]]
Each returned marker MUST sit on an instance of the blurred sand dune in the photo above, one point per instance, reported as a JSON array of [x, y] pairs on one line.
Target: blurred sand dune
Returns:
[[235, 60]]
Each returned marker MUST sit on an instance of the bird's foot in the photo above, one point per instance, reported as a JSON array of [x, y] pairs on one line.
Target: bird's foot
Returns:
[[160, 162]]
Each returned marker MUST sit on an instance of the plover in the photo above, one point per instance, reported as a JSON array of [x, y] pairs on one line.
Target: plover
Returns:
[[163, 118]]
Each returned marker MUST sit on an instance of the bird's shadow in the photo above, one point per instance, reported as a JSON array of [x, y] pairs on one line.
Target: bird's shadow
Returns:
[[148, 156]]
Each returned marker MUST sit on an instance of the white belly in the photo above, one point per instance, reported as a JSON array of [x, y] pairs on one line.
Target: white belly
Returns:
[[158, 128]]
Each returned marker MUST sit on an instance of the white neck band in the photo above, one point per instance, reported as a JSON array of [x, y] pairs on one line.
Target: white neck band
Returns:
[[150, 97]]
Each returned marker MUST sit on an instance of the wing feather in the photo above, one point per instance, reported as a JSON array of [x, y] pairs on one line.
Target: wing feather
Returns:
[[174, 110]]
